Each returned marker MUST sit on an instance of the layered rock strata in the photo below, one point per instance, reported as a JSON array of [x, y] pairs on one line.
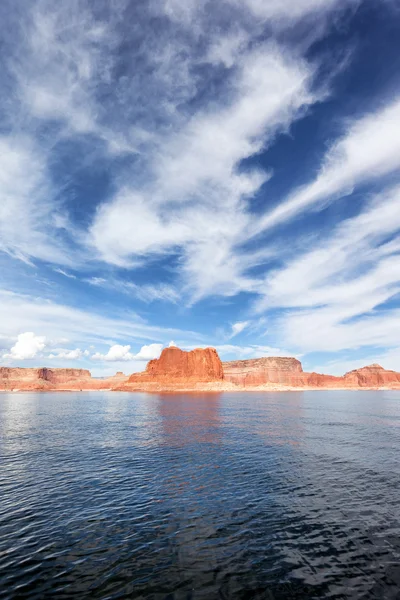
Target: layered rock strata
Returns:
[[177, 369], [288, 372], [261, 371], [55, 379], [200, 370]]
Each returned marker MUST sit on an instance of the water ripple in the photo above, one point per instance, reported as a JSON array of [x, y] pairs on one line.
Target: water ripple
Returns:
[[231, 496]]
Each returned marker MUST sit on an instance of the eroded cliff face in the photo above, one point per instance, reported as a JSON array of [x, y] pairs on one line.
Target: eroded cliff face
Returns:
[[261, 371], [54, 379], [373, 375], [175, 366], [200, 370], [289, 372]]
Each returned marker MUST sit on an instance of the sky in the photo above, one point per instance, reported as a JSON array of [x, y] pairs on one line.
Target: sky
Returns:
[[199, 174]]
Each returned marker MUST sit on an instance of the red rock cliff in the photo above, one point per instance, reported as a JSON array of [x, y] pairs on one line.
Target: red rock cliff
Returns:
[[371, 376], [261, 371], [53, 379], [176, 365]]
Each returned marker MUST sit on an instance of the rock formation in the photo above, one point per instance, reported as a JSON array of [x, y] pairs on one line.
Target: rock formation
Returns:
[[289, 372], [200, 369], [54, 379], [178, 368], [261, 371], [373, 375]]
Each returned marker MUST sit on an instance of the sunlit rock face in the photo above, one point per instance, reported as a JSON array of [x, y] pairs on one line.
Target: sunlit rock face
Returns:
[[373, 375], [289, 372], [54, 379], [200, 369], [176, 365], [261, 371]]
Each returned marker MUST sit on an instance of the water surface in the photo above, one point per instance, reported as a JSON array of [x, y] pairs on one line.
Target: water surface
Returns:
[[180, 497]]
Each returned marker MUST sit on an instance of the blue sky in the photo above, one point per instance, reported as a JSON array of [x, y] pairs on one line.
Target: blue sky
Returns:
[[200, 173]]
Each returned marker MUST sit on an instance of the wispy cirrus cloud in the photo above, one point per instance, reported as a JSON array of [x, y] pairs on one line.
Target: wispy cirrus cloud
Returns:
[[145, 292], [55, 320], [197, 205], [238, 327], [370, 149], [334, 290]]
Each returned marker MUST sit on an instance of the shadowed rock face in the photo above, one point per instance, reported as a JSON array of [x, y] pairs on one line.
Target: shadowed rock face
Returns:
[[176, 365], [260, 371]]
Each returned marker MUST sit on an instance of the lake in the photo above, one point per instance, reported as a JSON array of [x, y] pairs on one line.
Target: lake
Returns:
[[237, 495]]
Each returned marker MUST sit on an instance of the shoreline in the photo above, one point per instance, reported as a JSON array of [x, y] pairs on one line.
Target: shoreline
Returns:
[[209, 389]]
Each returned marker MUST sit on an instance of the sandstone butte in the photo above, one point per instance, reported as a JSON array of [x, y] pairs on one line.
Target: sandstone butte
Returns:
[[200, 370]]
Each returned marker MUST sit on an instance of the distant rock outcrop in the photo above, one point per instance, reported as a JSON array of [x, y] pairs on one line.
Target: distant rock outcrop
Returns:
[[289, 372], [177, 366], [261, 371], [371, 376], [54, 379]]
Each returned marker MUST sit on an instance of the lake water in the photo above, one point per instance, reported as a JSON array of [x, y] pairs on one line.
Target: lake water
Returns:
[[243, 496]]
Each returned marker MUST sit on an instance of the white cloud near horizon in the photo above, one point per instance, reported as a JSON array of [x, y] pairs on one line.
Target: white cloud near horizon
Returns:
[[118, 353], [57, 321], [28, 346], [69, 354]]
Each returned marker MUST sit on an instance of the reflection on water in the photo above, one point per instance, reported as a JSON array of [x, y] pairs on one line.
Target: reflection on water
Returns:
[[277, 496], [189, 418]]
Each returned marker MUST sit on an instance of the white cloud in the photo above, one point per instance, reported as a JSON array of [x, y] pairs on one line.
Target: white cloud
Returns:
[[28, 210], [280, 14], [68, 354], [115, 353], [238, 327], [187, 194], [78, 326], [57, 66], [231, 351], [285, 12], [65, 273], [335, 289], [370, 149], [28, 346], [145, 292], [200, 162], [122, 353], [171, 344], [149, 352]]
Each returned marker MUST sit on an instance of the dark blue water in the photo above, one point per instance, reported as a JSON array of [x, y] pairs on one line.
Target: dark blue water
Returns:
[[243, 496]]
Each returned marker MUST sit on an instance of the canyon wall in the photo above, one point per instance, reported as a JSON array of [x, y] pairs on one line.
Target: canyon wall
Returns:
[[261, 371], [289, 372], [373, 375], [200, 369], [54, 379]]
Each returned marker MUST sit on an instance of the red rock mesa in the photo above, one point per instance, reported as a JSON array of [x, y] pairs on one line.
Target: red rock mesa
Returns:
[[177, 366]]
